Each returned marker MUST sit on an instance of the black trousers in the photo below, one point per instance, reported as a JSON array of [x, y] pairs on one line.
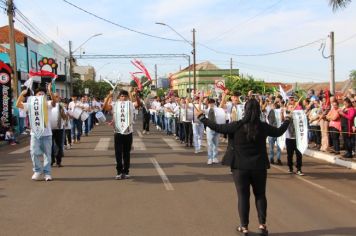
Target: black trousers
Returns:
[[57, 145], [146, 121], [188, 132], [335, 138], [291, 145], [317, 134], [123, 145], [348, 142], [243, 180], [68, 135]]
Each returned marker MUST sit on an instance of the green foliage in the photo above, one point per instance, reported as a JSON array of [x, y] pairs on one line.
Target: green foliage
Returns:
[[96, 89], [161, 92], [245, 84]]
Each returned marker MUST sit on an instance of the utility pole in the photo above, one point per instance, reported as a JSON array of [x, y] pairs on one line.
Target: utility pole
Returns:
[[332, 61], [230, 67], [156, 75], [194, 63], [189, 82], [70, 69], [10, 14]]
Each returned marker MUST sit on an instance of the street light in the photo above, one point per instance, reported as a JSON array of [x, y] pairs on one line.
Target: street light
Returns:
[[71, 59], [193, 52], [95, 35]]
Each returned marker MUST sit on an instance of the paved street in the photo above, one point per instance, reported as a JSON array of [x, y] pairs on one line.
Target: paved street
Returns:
[[172, 192]]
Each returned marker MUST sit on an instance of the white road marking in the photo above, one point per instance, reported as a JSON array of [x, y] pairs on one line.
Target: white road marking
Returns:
[[103, 144], [163, 175], [139, 133], [21, 150], [138, 144], [320, 186], [173, 144]]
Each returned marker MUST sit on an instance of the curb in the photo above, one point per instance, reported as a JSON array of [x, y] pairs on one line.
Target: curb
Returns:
[[330, 158]]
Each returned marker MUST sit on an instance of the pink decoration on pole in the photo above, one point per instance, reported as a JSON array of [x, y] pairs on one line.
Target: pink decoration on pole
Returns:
[[137, 81]]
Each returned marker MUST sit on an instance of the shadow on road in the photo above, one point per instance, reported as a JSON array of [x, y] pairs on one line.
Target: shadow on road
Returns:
[[346, 231]]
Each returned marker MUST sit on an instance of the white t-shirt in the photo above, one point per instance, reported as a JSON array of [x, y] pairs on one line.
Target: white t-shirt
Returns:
[[54, 118], [22, 113], [47, 130], [168, 110]]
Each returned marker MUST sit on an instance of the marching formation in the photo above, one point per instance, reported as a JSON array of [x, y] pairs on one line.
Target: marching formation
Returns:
[[246, 123]]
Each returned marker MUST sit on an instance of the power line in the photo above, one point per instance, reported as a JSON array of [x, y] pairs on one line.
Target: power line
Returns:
[[33, 26], [121, 26], [246, 21], [347, 39], [261, 54]]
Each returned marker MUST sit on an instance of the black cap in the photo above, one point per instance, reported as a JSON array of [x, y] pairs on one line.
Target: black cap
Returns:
[[124, 93], [40, 89], [211, 100], [236, 93]]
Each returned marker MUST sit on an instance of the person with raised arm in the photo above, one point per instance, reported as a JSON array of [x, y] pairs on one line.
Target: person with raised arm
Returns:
[[39, 110], [249, 162], [123, 109]]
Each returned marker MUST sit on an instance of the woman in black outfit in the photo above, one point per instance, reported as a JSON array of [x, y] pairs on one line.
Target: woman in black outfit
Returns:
[[248, 159]]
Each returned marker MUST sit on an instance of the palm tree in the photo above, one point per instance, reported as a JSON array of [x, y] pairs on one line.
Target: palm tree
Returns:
[[337, 4]]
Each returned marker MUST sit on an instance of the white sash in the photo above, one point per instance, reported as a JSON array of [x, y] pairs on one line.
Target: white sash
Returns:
[[281, 140], [301, 130], [240, 111], [122, 117], [36, 111]]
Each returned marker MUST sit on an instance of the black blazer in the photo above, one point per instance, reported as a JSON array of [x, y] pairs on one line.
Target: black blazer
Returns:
[[241, 153]]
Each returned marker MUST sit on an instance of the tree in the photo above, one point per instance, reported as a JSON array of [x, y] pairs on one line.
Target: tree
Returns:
[[353, 78], [96, 89], [337, 4], [245, 84]]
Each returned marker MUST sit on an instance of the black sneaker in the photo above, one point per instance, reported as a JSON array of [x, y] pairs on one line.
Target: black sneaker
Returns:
[[271, 161], [300, 173], [279, 162]]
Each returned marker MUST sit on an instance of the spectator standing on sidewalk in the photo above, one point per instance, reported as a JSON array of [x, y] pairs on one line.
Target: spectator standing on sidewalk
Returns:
[[324, 124], [314, 121], [334, 126], [347, 118]]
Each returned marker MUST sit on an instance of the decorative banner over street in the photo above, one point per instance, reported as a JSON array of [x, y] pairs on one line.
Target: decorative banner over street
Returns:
[[5, 94]]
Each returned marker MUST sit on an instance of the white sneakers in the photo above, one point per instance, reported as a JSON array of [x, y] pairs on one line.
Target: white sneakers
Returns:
[[213, 161], [48, 178], [144, 131], [37, 176]]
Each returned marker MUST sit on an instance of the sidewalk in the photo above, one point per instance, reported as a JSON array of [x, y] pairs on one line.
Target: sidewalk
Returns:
[[19, 138], [332, 158]]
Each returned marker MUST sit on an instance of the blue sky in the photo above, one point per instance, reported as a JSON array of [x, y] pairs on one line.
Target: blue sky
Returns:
[[233, 26]]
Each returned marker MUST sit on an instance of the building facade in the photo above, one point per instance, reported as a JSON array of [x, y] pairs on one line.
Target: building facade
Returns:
[[206, 75]]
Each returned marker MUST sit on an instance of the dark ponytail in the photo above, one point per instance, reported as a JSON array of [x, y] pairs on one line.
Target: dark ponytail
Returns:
[[251, 119]]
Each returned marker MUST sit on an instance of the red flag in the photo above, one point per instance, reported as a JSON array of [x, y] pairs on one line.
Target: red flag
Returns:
[[42, 73]]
